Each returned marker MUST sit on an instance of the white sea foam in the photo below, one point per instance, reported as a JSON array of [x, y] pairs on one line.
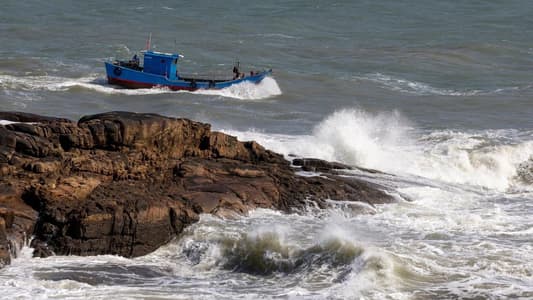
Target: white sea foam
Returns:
[[245, 91], [388, 142], [6, 122], [446, 237], [349, 257], [267, 88], [309, 254], [420, 88]]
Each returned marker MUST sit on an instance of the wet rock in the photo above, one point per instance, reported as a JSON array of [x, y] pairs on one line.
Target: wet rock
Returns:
[[319, 165], [126, 183], [16, 221], [5, 257], [17, 116]]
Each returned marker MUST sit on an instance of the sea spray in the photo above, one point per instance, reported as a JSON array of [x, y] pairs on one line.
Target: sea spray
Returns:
[[267, 88], [475, 159], [256, 246], [351, 136], [389, 142], [356, 137]]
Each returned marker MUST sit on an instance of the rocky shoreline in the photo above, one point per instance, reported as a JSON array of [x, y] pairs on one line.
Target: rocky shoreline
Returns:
[[126, 183]]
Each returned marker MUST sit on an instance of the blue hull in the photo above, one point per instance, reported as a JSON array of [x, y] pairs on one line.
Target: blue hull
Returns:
[[136, 78]]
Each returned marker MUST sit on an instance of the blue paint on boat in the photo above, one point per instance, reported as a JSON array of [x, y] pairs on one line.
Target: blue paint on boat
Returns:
[[161, 69]]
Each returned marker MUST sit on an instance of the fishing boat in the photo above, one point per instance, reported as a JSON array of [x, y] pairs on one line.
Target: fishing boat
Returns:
[[161, 70]]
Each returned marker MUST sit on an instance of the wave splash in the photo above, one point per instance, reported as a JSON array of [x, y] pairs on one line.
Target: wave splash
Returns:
[[245, 91], [266, 253], [325, 258], [495, 159], [267, 88]]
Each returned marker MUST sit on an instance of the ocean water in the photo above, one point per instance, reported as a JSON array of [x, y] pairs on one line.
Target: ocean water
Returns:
[[436, 94]]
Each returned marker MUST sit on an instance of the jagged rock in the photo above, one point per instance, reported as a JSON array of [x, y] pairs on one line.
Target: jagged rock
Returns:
[[126, 183]]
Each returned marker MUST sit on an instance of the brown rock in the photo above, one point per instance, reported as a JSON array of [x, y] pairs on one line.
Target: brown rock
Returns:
[[125, 183], [5, 257]]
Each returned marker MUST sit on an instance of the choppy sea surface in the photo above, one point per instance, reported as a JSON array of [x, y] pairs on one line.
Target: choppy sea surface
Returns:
[[436, 94]]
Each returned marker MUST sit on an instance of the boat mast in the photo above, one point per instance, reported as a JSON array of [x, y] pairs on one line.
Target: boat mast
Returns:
[[149, 42]]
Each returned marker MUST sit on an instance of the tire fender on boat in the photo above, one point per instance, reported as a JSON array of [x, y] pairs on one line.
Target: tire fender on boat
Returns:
[[211, 83], [117, 71], [193, 84]]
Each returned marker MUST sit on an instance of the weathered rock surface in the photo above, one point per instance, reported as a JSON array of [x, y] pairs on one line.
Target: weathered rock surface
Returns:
[[126, 183]]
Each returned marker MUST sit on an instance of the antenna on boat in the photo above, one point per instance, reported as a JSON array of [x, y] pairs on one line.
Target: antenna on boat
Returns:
[[149, 42], [236, 66]]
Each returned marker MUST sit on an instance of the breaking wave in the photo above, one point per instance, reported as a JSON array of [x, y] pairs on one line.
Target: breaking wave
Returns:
[[266, 244], [496, 159], [265, 255]]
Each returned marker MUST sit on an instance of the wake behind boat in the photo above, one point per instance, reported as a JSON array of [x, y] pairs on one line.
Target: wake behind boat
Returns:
[[161, 69]]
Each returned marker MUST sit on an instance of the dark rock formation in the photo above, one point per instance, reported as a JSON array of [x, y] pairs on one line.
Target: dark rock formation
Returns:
[[125, 183], [318, 165]]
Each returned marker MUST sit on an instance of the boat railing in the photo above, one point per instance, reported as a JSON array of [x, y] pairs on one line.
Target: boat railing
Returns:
[[215, 76]]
